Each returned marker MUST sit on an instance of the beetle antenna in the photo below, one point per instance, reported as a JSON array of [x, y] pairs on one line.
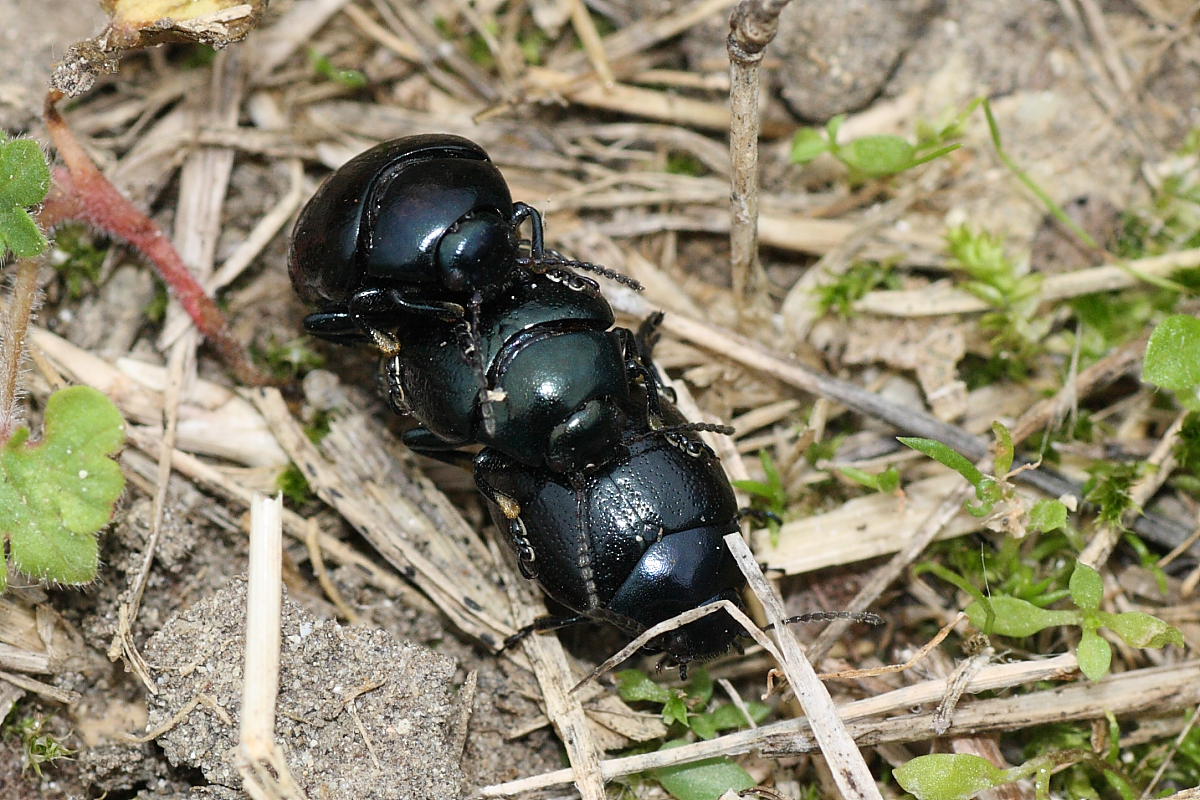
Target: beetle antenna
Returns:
[[687, 427], [825, 616], [553, 258]]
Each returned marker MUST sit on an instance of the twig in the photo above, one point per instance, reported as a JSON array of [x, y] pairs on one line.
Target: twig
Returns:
[[563, 706], [850, 771], [752, 27], [312, 541], [260, 675], [585, 29]]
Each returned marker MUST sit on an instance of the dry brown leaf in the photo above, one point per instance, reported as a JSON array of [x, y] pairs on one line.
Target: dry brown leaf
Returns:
[[135, 24]]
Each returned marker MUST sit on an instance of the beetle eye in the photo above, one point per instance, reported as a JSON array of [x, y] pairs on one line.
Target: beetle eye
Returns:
[[479, 249]]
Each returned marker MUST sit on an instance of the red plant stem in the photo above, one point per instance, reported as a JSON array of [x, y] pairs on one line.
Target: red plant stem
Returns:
[[12, 354], [81, 192]]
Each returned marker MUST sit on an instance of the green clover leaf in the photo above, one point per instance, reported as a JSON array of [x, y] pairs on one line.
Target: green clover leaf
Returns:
[[56, 494]]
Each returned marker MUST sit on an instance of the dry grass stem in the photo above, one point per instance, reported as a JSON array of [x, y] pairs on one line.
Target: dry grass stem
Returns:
[[312, 541], [941, 299], [850, 771], [678, 621], [260, 674], [64, 696]]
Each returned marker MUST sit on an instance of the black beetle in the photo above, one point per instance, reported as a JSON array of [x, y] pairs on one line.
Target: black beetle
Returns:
[[632, 544], [419, 226], [556, 380], [411, 225]]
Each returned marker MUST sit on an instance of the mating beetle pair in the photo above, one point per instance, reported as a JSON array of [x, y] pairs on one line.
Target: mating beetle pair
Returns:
[[606, 497]]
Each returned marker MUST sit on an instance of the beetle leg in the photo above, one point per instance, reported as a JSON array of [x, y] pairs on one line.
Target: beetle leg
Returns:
[[760, 515], [521, 212], [541, 625], [334, 326], [638, 365], [391, 387], [426, 443], [511, 510]]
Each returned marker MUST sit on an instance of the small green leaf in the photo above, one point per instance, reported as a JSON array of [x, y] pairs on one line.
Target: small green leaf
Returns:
[[1087, 587], [24, 173], [1142, 630], [1048, 515], [634, 685], [675, 709], [944, 455], [56, 494], [19, 233], [24, 182], [807, 144], [878, 156], [1173, 359], [1018, 618], [949, 776], [702, 780], [832, 127], [1004, 449], [1094, 654], [889, 480], [703, 726]]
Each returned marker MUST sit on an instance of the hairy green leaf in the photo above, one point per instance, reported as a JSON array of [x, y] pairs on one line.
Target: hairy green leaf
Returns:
[[24, 182], [56, 494], [1173, 359]]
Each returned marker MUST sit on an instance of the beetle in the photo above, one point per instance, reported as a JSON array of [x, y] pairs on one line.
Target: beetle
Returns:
[[632, 544], [559, 383], [417, 226]]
